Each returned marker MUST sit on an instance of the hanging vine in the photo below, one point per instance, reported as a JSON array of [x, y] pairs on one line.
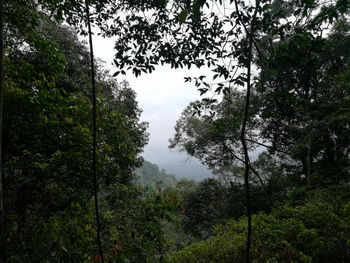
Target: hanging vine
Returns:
[[94, 143], [2, 210]]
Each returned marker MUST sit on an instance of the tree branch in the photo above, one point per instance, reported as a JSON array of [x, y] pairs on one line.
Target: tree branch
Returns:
[[267, 146], [254, 171], [245, 27]]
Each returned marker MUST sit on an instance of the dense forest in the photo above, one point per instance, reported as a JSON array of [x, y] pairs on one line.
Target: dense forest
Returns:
[[73, 184]]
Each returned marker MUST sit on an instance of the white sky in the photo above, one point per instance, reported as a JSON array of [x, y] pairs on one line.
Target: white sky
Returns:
[[162, 95]]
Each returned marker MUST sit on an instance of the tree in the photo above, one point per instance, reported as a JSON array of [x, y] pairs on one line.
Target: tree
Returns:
[[2, 212], [302, 37], [189, 37], [205, 207], [254, 21], [312, 232], [213, 136], [303, 95], [46, 164]]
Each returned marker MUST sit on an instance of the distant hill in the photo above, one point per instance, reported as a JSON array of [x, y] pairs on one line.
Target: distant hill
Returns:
[[191, 170], [150, 175]]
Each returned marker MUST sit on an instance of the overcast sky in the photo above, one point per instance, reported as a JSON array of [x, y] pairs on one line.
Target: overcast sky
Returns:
[[162, 96]]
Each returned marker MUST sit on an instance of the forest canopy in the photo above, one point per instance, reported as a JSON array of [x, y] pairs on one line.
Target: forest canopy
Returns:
[[281, 73]]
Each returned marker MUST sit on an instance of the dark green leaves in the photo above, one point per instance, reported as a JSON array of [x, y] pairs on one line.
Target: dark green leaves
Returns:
[[182, 16]]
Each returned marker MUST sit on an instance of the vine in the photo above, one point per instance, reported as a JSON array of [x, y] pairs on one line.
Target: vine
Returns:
[[94, 143]]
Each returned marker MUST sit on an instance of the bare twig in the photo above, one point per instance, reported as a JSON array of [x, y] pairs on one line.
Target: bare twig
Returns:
[[268, 146]]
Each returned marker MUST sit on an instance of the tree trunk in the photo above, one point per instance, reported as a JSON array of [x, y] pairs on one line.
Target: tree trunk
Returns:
[[249, 56], [309, 163], [247, 162], [94, 144], [2, 211]]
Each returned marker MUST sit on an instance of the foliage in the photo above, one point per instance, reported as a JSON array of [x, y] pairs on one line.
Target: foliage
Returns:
[[67, 235], [205, 207], [313, 232], [134, 231], [302, 94], [210, 202], [184, 187], [150, 176], [299, 110], [47, 149], [213, 138]]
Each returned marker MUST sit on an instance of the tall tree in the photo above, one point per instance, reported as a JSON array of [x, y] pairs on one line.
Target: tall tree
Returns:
[[206, 41], [303, 96], [46, 162], [187, 33], [94, 134]]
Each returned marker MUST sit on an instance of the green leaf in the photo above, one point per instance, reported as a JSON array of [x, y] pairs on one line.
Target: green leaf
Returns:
[[182, 16]]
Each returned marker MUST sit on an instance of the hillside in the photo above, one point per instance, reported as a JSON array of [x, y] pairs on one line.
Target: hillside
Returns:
[[150, 175]]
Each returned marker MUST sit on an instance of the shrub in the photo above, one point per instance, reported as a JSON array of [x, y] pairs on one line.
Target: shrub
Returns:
[[308, 233]]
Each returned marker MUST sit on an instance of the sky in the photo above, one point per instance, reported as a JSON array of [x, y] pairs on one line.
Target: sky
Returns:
[[162, 95]]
